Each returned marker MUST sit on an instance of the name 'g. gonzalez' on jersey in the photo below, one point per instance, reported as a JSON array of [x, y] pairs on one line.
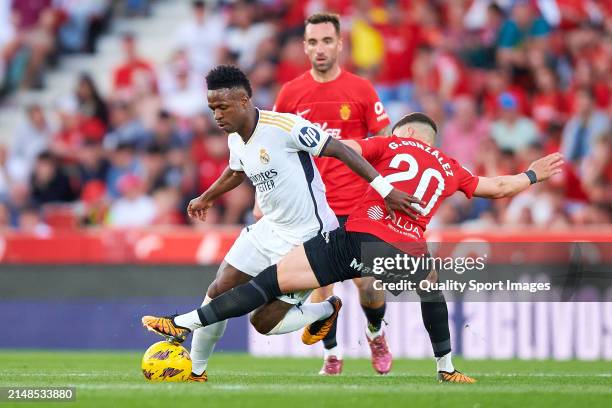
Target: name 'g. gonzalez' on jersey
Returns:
[[278, 161], [415, 168]]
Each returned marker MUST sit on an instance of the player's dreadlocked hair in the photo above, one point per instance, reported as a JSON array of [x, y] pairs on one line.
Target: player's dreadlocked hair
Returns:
[[228, 76], [416, 117], [319, 18]]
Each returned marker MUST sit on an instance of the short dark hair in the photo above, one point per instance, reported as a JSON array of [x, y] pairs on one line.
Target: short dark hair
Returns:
[[416, 117], [46, 155], [164, 114], [320, 18], [228, 76]]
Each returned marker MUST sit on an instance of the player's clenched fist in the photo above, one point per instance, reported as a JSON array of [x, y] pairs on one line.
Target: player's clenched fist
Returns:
[[198, 207], [547, 166]]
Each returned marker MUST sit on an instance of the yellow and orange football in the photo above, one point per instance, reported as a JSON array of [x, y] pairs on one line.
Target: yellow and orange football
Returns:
[[166, 361]]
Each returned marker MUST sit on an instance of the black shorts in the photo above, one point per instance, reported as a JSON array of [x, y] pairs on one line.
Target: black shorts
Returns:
[[340, 255], [342, 220]]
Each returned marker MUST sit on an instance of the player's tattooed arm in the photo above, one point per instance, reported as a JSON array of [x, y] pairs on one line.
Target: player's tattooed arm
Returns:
[[395, 199], [229, 180], [507, 186]]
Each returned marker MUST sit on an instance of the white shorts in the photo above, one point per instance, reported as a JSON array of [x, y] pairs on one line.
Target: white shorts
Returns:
[[257, 247]]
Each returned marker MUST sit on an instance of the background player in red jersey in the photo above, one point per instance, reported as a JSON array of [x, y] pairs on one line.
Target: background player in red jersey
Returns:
[[347, 107], [409, 160]]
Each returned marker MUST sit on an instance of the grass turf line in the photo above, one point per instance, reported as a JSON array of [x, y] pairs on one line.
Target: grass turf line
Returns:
[[238, 380]]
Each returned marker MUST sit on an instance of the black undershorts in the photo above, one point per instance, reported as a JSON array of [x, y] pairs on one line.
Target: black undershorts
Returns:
[[340, 255]]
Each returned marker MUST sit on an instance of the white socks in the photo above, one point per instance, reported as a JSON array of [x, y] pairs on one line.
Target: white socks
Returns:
[[296, 318], [205, 338], [445, 363], [334, 351], [372, 335], [190, 320], [203, 342]]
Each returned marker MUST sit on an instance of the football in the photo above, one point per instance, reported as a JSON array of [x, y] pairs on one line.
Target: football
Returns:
[[166, 361]]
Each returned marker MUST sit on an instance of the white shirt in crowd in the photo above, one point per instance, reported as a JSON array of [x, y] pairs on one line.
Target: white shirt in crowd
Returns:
[[138, 212], [201, 41]]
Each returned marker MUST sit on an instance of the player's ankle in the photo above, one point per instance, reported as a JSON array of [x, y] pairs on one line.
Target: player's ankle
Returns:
[[198, 370], [372, 332], [445, 363], [189, 321], [334, 351]]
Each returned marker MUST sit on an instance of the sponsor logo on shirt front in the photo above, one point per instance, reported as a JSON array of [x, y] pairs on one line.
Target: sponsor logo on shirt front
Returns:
[[376, 213], [264, 181], [400, 226], [333, 132], [405, 227]]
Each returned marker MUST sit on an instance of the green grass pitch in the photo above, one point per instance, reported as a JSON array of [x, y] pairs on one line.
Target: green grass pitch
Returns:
[[113, 379]]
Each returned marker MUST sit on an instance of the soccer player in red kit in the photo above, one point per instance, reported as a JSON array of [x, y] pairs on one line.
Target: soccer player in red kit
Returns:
[[347, 107], [408, 160]]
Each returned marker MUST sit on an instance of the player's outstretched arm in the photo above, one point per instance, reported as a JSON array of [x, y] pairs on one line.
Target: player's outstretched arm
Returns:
[[507, 186], [353, 145], [395, 199], [229, 180]]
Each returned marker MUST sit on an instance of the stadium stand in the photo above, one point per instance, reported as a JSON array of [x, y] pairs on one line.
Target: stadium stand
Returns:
[[104, 117]]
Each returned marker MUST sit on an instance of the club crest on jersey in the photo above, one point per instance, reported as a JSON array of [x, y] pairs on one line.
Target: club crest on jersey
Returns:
[[264, 157], [309, 136], [345, 111]]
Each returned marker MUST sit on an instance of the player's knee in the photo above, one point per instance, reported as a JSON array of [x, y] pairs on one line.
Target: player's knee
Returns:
[[320, 294], [372, 303], [368, 296], [213, 291], [432, 295], [218, 287], [222, 286]]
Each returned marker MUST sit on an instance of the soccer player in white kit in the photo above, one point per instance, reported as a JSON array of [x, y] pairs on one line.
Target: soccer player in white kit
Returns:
[[274, 150]]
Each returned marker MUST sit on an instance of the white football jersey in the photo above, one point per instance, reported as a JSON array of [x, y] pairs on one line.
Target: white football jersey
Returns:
[[278, 161]]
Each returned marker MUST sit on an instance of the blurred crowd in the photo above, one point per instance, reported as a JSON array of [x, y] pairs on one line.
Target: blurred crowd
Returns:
[[34, 34], [507, 81]]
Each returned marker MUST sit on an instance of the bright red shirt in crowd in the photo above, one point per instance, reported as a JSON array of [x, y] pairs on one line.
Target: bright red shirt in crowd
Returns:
[[400, 43], [288, 70], [547, 108], [209, 166], [415, 168], [601, 95], [123, 76], [347, 108], [576, 8]]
